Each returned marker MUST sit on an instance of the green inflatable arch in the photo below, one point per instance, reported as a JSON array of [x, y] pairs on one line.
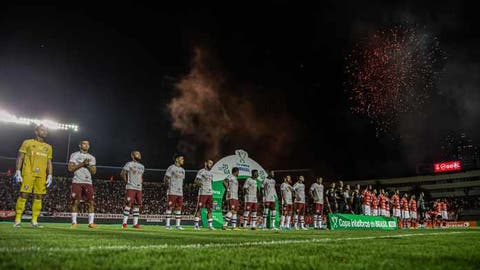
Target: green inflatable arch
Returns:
[[220, 171]]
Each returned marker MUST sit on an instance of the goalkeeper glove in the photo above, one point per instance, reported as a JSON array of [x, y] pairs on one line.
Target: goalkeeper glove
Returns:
[[17, 178], [49, 180]]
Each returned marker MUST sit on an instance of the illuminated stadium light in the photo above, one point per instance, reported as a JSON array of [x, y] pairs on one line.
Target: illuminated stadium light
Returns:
[[50, 124]]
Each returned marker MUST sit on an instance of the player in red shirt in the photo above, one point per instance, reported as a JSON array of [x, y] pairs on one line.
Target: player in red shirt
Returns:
[[382, 200], [443, 212], [366, 200], [405, 212], [387, 205], [396, 205], [374, 203], [435, 213], [413, 211]]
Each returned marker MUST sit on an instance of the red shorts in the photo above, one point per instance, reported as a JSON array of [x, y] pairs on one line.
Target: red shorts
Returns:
[[270, 205], [251, 206], [80, 191], [319, 208], [175, 201], [287, 208], [233, 204], [299, 208], [205, 201], [133, 196]]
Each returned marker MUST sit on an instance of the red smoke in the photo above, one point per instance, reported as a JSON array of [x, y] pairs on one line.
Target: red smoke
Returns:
[[215, 118]]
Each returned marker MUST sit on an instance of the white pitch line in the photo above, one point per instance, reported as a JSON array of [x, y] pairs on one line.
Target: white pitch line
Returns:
[[212, 245]]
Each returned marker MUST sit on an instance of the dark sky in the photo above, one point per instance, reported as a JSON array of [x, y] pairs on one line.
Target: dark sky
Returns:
[[113, 70]]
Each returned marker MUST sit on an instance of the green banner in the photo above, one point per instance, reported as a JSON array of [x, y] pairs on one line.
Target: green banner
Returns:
[[361, 222]]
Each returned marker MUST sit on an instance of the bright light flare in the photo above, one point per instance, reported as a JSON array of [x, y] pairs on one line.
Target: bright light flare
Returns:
[[50, 124]]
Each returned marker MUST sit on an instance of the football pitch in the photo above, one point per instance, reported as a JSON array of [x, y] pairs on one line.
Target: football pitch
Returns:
[[56, 246]]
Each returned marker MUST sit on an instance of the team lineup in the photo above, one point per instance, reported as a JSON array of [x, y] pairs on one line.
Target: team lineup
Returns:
[[34, 174]]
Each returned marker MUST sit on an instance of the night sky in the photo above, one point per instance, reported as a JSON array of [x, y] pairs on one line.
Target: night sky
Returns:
[[115, 70]]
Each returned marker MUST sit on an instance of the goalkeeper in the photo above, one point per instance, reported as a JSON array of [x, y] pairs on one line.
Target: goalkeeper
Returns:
[[34, 163]]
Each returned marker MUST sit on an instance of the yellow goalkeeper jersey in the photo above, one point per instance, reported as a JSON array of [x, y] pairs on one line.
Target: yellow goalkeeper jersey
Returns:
[[36, 158]]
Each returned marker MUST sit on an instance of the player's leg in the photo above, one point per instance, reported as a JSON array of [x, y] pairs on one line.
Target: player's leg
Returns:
[[288, 218], [76, 194], [253, 222], [178, 212], [209, 205], [295, 220], [228, 216], [273, 216], [282, 217], [136, 208], [39, 189], [26, 188], [198, 209], [91, 209], [20, 208], [127, 208], [265, 214], [302, 216], [168, 212], [245, 214]]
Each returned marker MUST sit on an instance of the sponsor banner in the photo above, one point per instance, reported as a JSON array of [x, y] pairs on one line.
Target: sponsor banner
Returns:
[[7, 214], [361, 222], [453, 224]]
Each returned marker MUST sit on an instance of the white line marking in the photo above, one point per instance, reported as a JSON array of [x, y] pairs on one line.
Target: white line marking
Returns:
[[213, 245]]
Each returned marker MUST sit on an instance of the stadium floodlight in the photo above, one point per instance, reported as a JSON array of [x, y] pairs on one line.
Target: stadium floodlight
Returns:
[[50, 124]]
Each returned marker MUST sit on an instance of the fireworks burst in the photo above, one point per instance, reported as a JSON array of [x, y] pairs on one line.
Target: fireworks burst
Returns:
[[392, 72]]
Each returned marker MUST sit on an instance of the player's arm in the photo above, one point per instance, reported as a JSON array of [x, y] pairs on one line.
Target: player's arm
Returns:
[[20, 158], [166, 179], [49, 167], [123, 175], [73, 167], [92, 169]]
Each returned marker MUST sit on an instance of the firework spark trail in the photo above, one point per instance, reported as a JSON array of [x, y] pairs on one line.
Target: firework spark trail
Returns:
[[392, 72], [207, 112]]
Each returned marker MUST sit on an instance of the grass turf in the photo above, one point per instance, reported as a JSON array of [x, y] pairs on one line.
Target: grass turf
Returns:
[[58, 247]]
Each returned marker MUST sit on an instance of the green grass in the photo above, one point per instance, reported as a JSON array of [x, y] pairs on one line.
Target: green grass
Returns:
[[58, 247]]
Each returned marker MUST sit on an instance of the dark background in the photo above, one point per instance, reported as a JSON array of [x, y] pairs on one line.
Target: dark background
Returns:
[[112, 70]]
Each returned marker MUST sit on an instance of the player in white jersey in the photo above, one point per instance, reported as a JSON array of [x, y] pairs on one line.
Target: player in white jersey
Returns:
[[250, 189], [287, 202], [299, 205], [82, 164], [204, 180], [269, 199], [132, 174], [316, 191], [231, 190], [174, 177]]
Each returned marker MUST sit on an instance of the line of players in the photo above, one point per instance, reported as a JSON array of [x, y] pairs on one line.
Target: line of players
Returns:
[[408, 210], [34, 162]]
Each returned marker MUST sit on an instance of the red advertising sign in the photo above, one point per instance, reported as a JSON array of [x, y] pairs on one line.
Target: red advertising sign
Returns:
[[447, 166]]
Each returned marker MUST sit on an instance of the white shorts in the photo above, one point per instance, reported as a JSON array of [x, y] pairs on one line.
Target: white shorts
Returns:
[[405, 214], [366, 210], [387, 213], [396, 212], [444, 214], [413, 214], [383, 213], [374, 212]]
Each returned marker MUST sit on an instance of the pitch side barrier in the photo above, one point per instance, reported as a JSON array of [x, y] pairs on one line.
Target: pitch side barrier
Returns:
[[65, 217]]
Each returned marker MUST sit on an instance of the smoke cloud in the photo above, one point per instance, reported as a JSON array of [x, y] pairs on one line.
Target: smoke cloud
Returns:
[[215, 116]]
